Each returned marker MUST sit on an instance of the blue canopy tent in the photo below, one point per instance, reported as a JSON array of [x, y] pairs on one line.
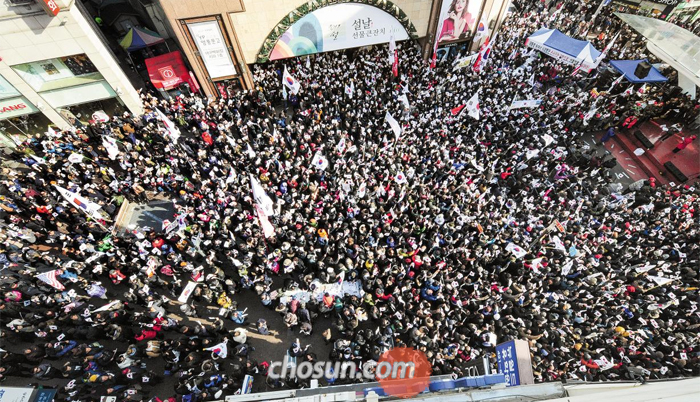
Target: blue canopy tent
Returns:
[[627, 68], [563, 48]]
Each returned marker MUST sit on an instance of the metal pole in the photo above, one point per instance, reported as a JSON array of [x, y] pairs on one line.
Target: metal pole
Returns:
[[600, 7]]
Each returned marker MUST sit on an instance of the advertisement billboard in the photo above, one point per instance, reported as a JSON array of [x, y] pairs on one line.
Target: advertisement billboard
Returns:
[[458, 18], [340, 26]]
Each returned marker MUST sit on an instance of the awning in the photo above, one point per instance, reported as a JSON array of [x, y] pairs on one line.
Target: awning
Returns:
[[563, 48], [627, 68], [168, 71], [139, 38]]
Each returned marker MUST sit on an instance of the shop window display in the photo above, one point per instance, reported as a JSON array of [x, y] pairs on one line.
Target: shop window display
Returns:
[[62, 72]]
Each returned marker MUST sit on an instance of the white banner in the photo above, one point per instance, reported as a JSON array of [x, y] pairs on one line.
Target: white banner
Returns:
[[212, 48], [186, 292], [339, 26], [563, 57], [525, 103], [465, 61]]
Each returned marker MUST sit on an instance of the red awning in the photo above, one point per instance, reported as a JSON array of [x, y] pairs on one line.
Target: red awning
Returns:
[[168, 71]]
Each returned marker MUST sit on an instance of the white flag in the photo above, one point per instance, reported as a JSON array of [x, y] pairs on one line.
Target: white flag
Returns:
[[536, 264], [558, 244], [531, 153], [362, 190], [392, 48], [39, 160], [660, 280], [249, 151], [187, 291], [516, 250], [341, 145], [617, 81], [528, 103], [231, 176], [169, 125], [261, 197], [404, 99], [75, 158], [350, 89], [81, 203], [605, 51], [567, 268], [267, 228], [482, 30], [531, 81], [319, 161], [394, 124], [220, 349], [308, 63], [548, 139], [473, 106], [110, 145], [290, 82], [51, 132], [400, 178]]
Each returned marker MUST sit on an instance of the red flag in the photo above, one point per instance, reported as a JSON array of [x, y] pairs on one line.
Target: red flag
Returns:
[[433, 62], [395, 66], [458, 109]]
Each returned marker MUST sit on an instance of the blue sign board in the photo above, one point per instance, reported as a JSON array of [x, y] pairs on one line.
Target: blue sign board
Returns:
[[44, 395], [508, 363]]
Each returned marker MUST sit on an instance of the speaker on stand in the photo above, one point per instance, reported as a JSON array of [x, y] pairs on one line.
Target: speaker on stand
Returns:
[[642, 69]]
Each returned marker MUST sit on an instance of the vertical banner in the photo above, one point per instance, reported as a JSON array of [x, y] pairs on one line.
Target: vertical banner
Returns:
[[247, 387], [212, 48]]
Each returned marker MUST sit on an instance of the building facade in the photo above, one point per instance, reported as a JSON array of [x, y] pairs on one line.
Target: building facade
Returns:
[[55, 70], [222, 39]]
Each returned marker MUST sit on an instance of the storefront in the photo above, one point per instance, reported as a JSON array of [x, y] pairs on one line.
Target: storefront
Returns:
[[624, 6], [170, 76], [686, 13], [214, 53], [19, 118], [72, 86], [658, 8]]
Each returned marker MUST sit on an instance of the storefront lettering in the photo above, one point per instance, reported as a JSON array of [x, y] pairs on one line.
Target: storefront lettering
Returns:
[[12, 108], [51, 7]]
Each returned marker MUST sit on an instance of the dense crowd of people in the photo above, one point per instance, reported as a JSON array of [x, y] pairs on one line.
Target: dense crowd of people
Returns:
[[448, 228]]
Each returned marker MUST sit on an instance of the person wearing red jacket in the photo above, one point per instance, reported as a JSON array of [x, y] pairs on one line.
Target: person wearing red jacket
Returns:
[[686, 141]]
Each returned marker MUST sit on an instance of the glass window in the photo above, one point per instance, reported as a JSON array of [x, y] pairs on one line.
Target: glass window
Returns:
[[58, 73], [7, 90]]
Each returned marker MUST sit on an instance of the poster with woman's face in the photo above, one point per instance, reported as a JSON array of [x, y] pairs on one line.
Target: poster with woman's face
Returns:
[[457, 19]]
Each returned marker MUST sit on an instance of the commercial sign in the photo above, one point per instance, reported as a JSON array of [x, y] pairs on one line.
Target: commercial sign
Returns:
[[50, 7], [15, 107], [457, 19], [167, 71], [212, 48], [340, 26], [515, 363]]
